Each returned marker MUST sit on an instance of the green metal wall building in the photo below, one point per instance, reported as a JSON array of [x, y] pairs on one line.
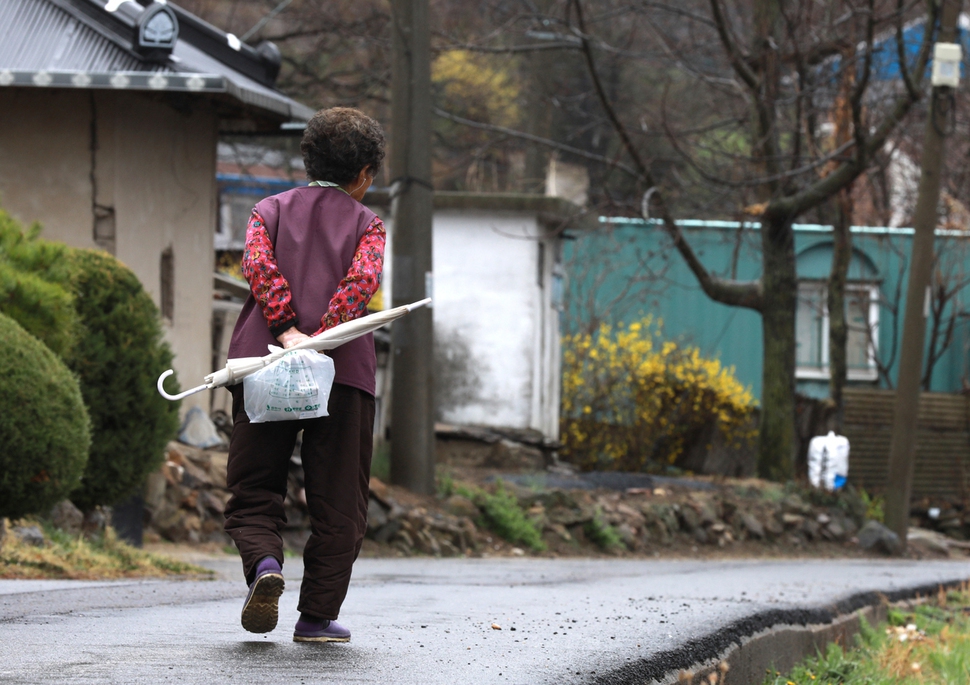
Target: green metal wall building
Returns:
[[629, 269]]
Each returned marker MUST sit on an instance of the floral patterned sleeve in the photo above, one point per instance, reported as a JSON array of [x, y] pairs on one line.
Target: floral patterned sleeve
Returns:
[[362, 280], [271, 290]]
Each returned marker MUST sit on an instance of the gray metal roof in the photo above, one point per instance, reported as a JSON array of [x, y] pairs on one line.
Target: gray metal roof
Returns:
[[41, 36], [81, 44]]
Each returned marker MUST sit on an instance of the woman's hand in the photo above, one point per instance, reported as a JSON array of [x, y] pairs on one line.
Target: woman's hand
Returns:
[[291, 337]]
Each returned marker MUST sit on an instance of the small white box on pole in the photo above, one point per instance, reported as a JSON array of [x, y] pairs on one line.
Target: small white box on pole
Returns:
[[946, 64]]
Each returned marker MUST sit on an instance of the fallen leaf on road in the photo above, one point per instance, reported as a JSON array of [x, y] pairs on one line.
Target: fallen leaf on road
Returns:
[[496, 626]]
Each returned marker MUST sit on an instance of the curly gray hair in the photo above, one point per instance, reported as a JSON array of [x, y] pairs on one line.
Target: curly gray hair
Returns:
[[339, 142]]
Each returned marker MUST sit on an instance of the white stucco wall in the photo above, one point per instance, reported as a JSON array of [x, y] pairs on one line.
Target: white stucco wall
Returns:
[[153, 163], [487, 297], [496, 329]]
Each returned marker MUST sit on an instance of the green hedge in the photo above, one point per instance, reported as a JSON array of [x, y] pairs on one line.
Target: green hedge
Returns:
[[44, 427], [91, 310], [118, 360], [33, 274]]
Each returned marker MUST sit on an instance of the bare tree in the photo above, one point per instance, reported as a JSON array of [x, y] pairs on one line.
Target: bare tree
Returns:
[[779, 54]]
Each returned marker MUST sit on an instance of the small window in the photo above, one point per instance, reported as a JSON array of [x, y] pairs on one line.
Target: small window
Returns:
[[167, 274], [812, 331]]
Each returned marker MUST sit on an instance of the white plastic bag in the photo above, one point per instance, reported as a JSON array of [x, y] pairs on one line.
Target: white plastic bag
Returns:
[[295, 386], [828, 461]]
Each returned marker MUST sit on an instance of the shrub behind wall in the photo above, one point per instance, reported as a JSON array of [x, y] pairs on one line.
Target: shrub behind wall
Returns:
[[633, 402]]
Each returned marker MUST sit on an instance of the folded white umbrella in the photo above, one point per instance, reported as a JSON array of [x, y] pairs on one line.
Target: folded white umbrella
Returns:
[[239, 368]]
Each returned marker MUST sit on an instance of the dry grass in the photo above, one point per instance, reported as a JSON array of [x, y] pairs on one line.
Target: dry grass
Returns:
[[73, 557]]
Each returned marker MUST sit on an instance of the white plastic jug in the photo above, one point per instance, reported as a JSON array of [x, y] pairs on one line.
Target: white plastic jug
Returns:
[[828, 461]]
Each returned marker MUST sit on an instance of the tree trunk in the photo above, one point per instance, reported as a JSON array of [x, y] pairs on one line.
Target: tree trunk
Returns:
[[777, 433], [838, 327]]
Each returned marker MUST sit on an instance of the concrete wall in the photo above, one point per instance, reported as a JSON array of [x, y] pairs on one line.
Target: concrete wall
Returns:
[[496, 324], [130, 173]]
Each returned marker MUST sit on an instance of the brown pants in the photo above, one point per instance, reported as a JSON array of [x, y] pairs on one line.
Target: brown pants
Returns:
[[336, 456]]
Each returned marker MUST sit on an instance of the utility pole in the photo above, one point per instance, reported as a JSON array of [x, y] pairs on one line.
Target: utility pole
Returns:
[[902, 450], [412, 205]]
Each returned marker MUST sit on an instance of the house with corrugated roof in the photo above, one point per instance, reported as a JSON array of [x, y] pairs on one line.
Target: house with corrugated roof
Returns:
[[110, 114]]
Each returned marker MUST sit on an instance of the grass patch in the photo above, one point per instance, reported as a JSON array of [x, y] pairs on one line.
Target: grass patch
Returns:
[[502, 515], [927, 644], [380, 465], [602, 533], [444, 484], [78, 558]]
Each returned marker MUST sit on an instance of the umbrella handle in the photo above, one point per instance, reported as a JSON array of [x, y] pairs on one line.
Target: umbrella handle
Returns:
[[161, 389]]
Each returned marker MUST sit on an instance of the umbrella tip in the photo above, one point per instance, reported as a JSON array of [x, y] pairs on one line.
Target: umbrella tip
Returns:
[[420, 303]]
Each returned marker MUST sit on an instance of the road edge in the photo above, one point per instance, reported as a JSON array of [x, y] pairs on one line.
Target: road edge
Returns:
[[768, 640]]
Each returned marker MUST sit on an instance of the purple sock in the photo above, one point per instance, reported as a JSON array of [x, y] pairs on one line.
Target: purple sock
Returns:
[[311, 623], [268, 565]]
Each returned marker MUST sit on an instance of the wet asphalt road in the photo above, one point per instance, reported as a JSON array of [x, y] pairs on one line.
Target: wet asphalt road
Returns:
[[427, 621]]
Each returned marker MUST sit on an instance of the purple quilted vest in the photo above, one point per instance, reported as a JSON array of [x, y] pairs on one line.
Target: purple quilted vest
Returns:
[[315, 232]]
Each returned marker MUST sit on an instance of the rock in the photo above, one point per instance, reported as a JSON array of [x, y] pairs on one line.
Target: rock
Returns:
[[211, 502], [875, 536], [508, 454], [427, 543], [199, 431], [811, 529], [569, 517], [191, 500], [194, 476], [388, 531], [753, 526], [67, 517], [96, 520], [561, 531], [30, 535], [217, 468], [155, 486], [668, 513], [834, 531], [773, 526], [461, 506], [630, 515], [378, 488], [628, 535], [792, 520], [708, 511], [794, 504], [172, 472], [690, 519], [376, 516], [927, 543]]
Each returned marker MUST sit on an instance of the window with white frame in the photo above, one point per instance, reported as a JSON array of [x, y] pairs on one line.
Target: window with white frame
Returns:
[[812, 330]]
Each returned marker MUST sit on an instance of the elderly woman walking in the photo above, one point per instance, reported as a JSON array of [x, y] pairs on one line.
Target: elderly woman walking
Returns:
[[313, 259]]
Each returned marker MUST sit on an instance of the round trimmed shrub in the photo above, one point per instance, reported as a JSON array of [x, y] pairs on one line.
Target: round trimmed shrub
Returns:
[[32, 290], [117, 359], [44, 428]]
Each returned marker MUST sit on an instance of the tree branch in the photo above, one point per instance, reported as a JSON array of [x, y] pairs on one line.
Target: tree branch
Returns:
[[738, 60], [743, 294], [537, 139], [847, 172]]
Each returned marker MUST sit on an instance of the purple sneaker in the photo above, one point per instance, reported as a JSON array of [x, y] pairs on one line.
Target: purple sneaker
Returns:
[[261, 611], [320, 631]]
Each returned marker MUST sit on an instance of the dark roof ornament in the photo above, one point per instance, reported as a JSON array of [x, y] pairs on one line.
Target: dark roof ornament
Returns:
[[158, 30]]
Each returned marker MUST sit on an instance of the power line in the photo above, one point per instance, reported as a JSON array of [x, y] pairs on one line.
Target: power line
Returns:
[[265, 20]]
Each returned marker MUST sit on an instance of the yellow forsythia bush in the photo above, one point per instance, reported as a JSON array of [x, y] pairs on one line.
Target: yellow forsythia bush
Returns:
[[631, 400]]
